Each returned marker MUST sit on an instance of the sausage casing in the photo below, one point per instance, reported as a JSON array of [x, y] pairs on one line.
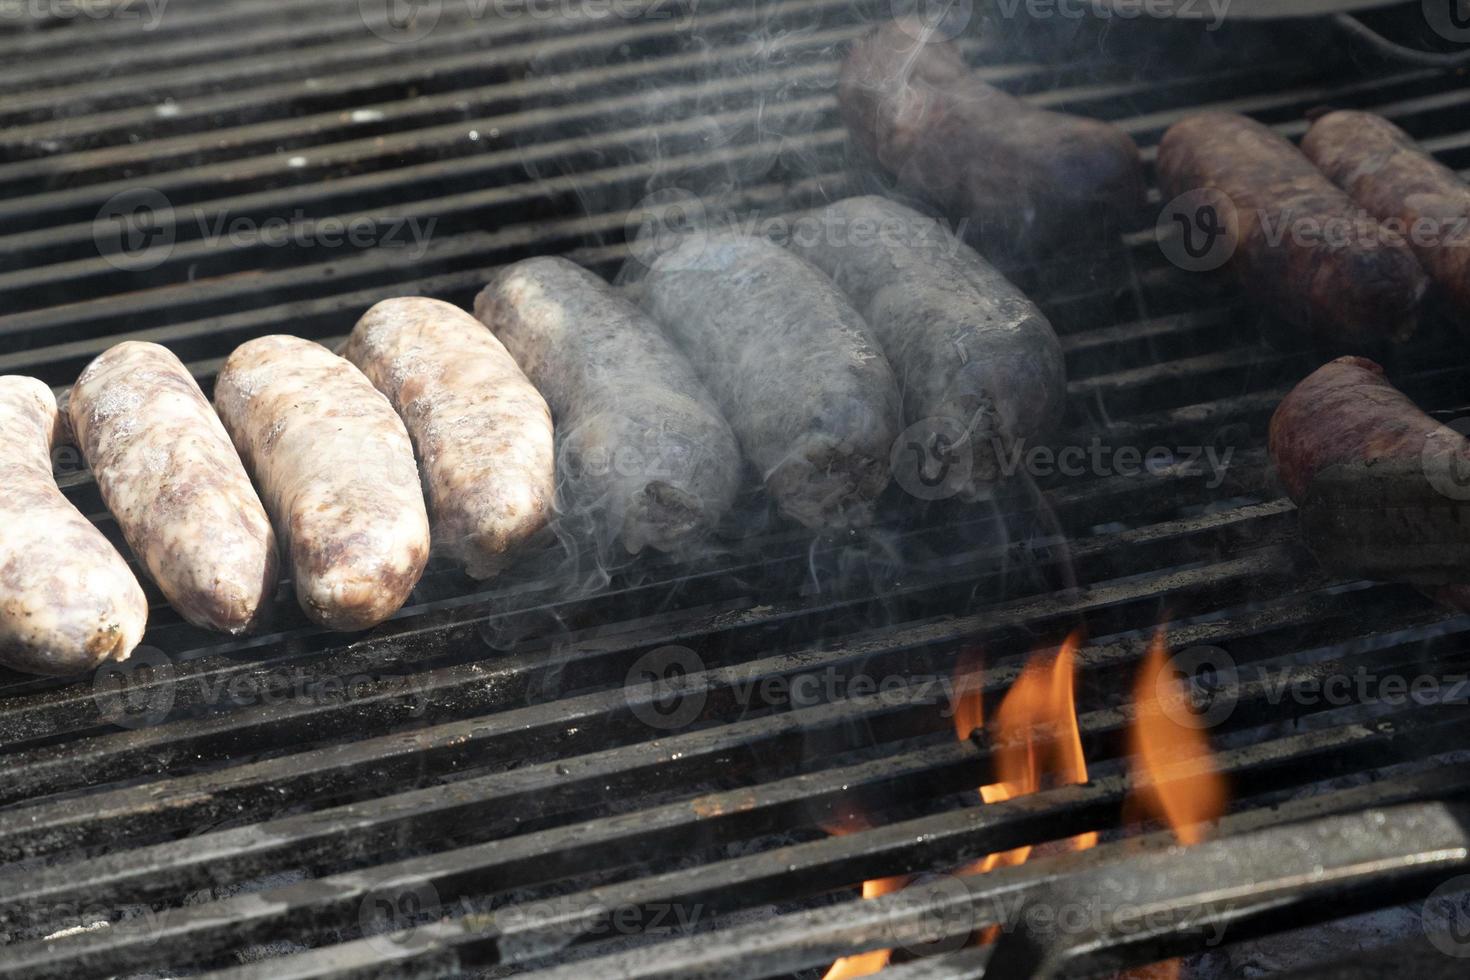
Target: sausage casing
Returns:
[[1301, 246], [1010, 171], [168, 472], [1386, 172], [977, 362], [335, 468], [68, 600], [1383, 489], [482, 430], [795, 369], [642, 448]]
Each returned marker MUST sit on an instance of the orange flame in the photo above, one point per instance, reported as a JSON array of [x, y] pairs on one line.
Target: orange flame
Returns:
[[862, 964], [1160, 744], [1036, 742], [1162, 741]]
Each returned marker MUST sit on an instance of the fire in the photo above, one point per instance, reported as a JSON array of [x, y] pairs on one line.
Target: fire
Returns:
[[1036, 742], [1158, 742], [864, 963]]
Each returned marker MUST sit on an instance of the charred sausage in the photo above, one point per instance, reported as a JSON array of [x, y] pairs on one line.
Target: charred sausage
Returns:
[[1381, 486], [68, 600], [793, 366], [980, 368], [481, 429], [336, 470], [1301, 247], [167, 471], [1393, 177], [1008, 170], [642, 448]]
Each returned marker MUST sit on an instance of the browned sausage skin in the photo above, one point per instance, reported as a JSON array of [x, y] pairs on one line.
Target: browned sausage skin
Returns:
[[1386, 172], [167, 471], [1302, 247], [336, 470], [1381, 486], [68, 601], [1013, 172]]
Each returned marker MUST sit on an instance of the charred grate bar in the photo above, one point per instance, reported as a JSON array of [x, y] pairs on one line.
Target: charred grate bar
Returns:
[[485, 785]]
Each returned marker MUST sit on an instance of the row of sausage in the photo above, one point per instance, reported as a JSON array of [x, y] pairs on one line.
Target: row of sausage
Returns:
[[806, 361], [1341, 237]]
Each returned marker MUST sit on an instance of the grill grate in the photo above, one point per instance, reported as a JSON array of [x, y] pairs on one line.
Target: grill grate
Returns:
[[482, 759]]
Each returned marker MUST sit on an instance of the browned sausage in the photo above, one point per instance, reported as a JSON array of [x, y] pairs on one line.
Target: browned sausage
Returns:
[[166, 469], [1010, 171], [68, 601], [1302, 247], [1393, 177], [1382, 487]]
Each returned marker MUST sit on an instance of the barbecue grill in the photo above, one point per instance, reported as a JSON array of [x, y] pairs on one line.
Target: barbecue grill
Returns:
[[585, 770]]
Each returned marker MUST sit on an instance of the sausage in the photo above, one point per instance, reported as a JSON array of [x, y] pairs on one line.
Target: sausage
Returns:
[[793, 366], [335, 468], [1381, 486], [642, 449], [979, 366], [1385, 171], [1301, 247], [68, 600], [167, 471], [481, 429], [1012, 172]]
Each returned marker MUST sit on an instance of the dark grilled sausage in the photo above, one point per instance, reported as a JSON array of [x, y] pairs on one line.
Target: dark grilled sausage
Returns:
[[68, 600], [979, 366], [336, 470], [1382, 487], [482, 430], [793, 366], [1011, 171], [1302, 248], [642, 448], [1393, 177], [167, 471]]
